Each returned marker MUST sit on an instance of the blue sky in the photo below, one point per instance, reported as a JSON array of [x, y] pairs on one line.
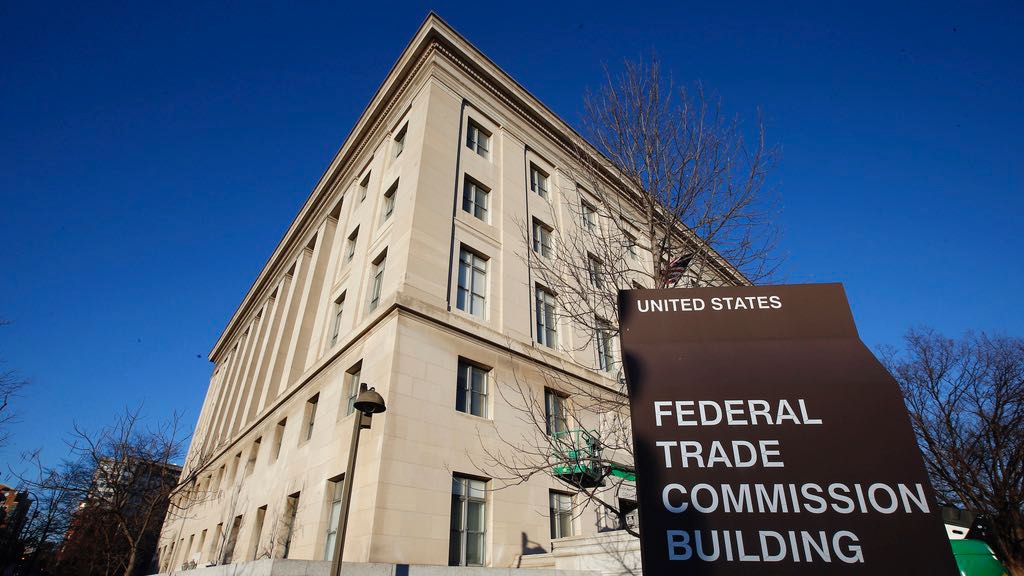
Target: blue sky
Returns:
[[151, 157]]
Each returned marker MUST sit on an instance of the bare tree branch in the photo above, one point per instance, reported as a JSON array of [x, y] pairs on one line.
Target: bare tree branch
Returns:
[[667, 191], [123, 479], [966, 403], [10, 385]]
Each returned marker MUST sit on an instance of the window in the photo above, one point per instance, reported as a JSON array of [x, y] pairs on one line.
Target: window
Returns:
[[335, 487], [594, 271], [377, 279], [555, 413], [471, 389], [279, 438], [546, 333], [478, 139], [229, 546], [254, 453], [218, 532], [364, 186], [291, 510], [560, 509], [350, 250], [630, 242], [630, 510], [472, 293], [475, 198], [469, 510], [199, 547], [603, 344], [261, 514], [353, 377], [588, 216], [339, 309], [389, 201], [400, 141], [236, 469], [310, 416], [541, 239], [538, 181], [188, 549]]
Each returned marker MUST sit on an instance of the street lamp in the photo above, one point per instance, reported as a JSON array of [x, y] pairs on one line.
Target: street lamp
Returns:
[[367, 403]]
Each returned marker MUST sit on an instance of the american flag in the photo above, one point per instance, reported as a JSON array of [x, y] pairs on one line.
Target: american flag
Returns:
[[671, 274]]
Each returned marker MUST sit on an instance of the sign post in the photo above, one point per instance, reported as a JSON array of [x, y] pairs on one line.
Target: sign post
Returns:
[[769, 440]]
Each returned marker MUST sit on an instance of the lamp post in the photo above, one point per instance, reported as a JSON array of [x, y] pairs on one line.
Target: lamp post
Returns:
[[368, 403]]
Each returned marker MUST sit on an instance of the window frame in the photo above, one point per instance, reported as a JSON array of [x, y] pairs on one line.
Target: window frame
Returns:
[[279, 430], [399, 140], [231, 543], [339, 311], [353, 238], [539, 180], [594, 271], [588, 216], [389, 202], [473, 491], [467, 292], [291, 514], [310, 416], [353, 378], [464, 393], [254, 454], [476, 199], [377, 279], [543, 243], [364, 186], [560, 516], [603, 345], [630, 243], [474, 141], [334, 496], [556, 411], [546, 321]]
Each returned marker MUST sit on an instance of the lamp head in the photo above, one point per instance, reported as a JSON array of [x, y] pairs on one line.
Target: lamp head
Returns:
[[369, 401]]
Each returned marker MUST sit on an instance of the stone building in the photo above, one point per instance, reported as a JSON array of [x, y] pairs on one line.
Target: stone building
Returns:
[[408, 269]]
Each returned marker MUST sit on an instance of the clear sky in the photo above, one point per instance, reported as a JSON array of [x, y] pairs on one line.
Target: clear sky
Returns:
[[152, 157]]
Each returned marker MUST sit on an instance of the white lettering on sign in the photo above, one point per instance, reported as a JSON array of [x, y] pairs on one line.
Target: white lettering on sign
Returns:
[[746, 303], [740, 453], [791, 498], [765, 546], [732, 412], [718, 303]]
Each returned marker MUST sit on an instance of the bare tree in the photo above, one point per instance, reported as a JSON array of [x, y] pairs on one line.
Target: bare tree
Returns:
[[966, 403], [10, 385], [125, 478], [52, 506], [666, 191], [670, 193]]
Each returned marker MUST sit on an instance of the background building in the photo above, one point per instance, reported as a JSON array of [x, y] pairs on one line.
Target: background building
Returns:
[[127, 496], [408, 268], [14, 505]]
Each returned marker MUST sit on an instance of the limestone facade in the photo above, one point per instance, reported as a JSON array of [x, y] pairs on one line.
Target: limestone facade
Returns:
[[365, 286]]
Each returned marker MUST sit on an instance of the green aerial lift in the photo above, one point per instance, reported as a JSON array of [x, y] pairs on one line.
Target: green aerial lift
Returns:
[[578, 460]]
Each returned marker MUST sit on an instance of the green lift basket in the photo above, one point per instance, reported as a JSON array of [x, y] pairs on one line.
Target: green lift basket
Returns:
[[577, 460]]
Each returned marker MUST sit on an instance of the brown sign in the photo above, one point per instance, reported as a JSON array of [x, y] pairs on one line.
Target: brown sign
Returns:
[[769, 440]]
